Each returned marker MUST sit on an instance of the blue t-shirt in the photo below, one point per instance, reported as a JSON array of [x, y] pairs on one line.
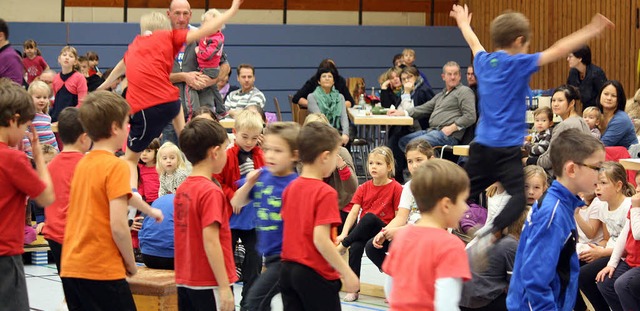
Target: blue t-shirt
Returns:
[[266, 201], [156, 239], [503, 85], [620, 131]]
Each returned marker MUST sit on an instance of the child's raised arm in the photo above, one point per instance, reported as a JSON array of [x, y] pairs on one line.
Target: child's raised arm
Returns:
[[215, 24], [241, 196], [570, 43], [48, 195], [117, 72], [463, 18]]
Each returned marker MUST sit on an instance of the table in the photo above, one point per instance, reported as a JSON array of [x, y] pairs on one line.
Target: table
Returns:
[[461, 150], [630, 164], [371, 125], [228, 123]]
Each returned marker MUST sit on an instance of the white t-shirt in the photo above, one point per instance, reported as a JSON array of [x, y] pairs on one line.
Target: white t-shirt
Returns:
[[591, 212], [614, 220], [408, 202]]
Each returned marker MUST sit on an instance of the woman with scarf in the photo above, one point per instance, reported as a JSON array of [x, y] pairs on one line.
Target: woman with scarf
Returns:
[[327, 100]]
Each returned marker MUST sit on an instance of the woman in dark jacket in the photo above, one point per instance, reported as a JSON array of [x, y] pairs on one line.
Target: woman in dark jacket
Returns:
[[584, 75], [300, 97]]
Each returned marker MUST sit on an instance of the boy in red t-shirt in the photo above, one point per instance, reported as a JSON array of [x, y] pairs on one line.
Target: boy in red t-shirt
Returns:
[[205, 270], [76, 144], [308, 279], [17, 181], [427, 263], [147, 63]]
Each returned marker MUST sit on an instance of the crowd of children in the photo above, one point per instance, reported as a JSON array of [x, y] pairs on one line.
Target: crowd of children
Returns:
[[283, 190]]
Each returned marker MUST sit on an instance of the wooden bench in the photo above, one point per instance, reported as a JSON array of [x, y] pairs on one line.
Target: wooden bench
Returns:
[[39, 250], [154, 289]]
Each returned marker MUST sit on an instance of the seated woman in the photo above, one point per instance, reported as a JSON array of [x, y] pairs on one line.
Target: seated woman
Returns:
[[618, 129], [327, 100], [414, 93], [156, 239], [563, 104], [584, 75], [390, 87], [301, 98]]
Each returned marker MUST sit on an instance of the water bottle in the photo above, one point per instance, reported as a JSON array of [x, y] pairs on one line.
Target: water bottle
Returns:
[[361, 102]]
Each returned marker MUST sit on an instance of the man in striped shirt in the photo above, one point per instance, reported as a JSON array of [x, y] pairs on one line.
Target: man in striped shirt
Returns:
[[247, 95]]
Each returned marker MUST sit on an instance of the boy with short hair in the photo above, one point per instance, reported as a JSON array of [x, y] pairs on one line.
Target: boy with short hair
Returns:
[[244, 157], [261, 192], [205, 270], [440, 189], [62, 167], [408, 60], [153, 98], [18, 181], [503, 78], [308, 279], [97, 253], [549, 235], [541, 138]]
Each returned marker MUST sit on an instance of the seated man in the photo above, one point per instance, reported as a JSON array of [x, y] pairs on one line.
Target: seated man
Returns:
[[247, 95], [452, 111]]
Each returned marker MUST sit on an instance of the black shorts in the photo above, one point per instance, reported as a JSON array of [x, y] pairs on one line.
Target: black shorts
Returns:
[[83, 294], [13, 285], [147, 124]]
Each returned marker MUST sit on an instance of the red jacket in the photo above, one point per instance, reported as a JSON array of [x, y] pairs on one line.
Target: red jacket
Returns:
[[231, 171]]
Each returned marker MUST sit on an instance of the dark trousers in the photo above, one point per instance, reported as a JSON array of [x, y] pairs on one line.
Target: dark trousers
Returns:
[[13, 285], [487, 165], [588, 286], [377, 255], [395, 133], [197, 299], [580, 305], [366, 228], [622, 291], [252, 261], [304, 289], [155, 262], [498, 304], [83, 294], [56, 252], [266, 286]]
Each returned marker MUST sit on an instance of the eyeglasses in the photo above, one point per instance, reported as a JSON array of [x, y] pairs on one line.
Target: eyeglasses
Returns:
[[596, 168]]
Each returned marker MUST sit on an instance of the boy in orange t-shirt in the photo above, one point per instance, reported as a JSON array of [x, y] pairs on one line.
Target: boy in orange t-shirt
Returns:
[[205, 270], [17, 181], [76, 144], [97, 253]]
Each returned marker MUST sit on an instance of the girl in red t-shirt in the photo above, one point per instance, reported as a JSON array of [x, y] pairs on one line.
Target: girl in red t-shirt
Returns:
[[618, 281], [32, 60], [376, 201]]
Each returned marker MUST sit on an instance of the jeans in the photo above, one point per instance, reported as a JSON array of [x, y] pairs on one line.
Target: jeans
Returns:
[[622, 291], [266, 286], [433, 136], [169, 134]]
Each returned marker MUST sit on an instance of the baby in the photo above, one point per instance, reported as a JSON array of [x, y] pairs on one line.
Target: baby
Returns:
[[594, 118]]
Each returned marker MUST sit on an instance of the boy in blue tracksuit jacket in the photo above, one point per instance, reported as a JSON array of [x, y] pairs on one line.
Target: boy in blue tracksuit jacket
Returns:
[[546, 269]]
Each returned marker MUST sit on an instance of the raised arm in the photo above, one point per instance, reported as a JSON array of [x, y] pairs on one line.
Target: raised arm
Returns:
[[116, 73], [463, 18], [215, 24], [568, 44]]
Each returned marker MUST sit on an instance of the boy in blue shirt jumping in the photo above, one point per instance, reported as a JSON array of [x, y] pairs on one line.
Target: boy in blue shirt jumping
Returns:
[[503, 77]]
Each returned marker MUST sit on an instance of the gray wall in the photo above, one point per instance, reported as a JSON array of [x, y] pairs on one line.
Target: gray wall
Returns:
[[285, 56]]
